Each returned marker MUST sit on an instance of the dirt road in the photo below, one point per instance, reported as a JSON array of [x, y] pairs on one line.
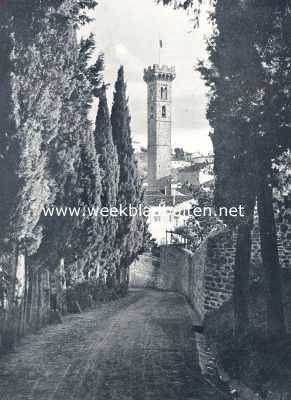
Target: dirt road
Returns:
[[138, 348]]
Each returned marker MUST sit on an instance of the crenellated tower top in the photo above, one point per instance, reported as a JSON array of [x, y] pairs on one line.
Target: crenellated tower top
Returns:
[[159, 72]]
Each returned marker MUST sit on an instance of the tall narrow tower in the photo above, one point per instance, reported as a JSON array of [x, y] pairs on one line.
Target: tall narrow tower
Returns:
[[159, 81]]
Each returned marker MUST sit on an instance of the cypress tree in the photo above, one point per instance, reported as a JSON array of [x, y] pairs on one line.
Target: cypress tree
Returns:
[[32, 90], [272, 139], [108, 161], [129, 187], [120, 121], [233, 88], [248, 111]]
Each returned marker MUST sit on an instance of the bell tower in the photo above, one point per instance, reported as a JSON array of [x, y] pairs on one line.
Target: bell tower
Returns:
[[159, 82]]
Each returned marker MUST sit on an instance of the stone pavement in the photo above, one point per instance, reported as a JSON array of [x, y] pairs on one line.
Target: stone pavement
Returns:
[[138, 348]]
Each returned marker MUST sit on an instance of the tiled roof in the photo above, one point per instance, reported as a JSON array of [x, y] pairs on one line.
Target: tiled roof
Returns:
[[154, 199]]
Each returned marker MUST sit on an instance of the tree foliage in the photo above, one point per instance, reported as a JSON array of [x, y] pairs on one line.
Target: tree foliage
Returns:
[[108, 161], [194, 6], [130, 233], [44, 124], [52, 157], [249, 114]]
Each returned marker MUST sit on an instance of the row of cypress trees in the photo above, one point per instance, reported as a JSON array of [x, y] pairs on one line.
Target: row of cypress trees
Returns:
[[51, 155]]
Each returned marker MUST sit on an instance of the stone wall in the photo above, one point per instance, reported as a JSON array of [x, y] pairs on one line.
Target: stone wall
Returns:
[[205, 277], [218, 284], [284, 240], [182, 272]]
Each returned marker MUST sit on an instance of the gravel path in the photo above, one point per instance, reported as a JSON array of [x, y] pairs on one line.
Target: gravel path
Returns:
[[137, 348]]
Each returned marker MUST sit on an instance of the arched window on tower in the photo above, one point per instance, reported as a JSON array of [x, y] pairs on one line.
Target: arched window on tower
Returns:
[[164, 93], [164, 112]]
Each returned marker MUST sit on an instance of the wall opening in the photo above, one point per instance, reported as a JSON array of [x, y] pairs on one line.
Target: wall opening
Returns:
[[164, 112]]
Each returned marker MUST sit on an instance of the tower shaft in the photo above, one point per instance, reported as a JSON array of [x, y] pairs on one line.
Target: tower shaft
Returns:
[[159, 82]]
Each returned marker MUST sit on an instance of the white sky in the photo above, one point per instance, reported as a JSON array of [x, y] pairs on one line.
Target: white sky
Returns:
[[128, 32]]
